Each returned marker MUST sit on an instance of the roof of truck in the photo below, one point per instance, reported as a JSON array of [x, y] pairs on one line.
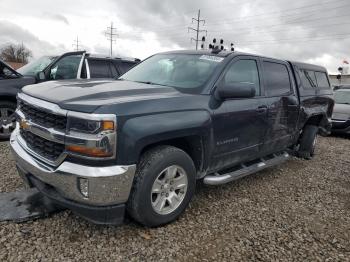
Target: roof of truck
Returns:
[[309, 66], [226, 53]]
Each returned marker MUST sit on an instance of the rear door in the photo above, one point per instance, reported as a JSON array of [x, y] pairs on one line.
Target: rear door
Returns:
[[282, 103]]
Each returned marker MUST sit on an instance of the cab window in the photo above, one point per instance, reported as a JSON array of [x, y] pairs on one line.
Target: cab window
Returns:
[[308, 79], [322, 80], [99, 68], [277, 80]]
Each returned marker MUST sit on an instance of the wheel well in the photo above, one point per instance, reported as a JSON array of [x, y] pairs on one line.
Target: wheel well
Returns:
[[314, 120], [192, 145], [8, 98]]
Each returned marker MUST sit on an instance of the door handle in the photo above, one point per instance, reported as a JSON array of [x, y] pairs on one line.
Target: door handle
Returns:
[[261, 109]]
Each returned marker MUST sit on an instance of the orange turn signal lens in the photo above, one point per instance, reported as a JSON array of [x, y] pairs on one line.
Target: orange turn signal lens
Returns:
[[107, 125], [87, 151]]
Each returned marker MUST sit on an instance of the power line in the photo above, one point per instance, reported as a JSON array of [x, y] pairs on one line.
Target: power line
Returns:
[[294, 21], [111, 33], [198, 20], [253, 30], [291, 16], [300, 39], [322, 5], [76, 44], [284, 11]]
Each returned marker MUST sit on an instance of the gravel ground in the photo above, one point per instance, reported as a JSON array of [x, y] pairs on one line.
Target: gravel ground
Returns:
[[299, 211]]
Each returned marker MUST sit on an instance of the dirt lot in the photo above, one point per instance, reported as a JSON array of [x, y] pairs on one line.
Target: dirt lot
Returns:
[[299, 211]]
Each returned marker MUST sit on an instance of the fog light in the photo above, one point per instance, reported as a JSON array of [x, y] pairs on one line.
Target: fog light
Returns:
[[84, 186]]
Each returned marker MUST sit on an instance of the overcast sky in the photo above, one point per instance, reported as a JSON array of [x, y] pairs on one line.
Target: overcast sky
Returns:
[[310, 31]]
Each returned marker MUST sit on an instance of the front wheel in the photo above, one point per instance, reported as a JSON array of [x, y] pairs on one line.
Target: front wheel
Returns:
[[164, 185], [7, 119]]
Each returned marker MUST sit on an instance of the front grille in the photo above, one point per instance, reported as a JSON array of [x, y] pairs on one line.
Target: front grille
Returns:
[[47, 149], [43, 118]]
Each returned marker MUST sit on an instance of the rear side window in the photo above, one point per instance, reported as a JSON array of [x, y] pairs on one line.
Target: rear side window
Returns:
[[114, 70], [125, 66], [277, 80], [322, 80], [99, 69], [308, 79]]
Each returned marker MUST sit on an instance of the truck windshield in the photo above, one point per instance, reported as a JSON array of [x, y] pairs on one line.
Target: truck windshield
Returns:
[[36, 66], [342, 97], [175, 70]]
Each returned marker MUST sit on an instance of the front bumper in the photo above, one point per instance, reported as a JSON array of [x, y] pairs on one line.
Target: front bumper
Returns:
[[341, 126], [106, 187]]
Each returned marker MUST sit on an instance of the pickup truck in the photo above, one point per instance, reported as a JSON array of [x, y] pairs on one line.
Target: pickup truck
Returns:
[[72, 65], [140, 144]]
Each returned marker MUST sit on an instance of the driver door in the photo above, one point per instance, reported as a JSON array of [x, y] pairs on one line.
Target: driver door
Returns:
[[240, 124]]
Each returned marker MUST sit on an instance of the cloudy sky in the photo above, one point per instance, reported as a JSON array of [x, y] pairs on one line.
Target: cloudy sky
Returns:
[[316, 31]]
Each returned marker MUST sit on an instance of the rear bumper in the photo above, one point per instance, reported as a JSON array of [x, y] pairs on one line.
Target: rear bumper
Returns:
[[341, 126], [98, 194]]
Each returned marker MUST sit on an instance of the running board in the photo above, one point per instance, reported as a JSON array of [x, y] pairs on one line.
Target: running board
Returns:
[[245, 170]]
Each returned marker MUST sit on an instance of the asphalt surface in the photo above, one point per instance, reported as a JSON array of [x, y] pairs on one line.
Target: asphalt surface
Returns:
[[298, 211]]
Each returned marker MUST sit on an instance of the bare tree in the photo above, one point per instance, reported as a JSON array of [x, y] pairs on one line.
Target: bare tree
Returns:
[[15, 53]]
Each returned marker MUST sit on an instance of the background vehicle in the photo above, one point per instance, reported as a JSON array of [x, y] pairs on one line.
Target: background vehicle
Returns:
[[341, 113], [10, 82], [141, 143], [74, 65], [337, 87]]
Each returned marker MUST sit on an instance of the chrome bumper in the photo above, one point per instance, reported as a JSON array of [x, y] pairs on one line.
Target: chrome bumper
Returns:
[[109, 185]]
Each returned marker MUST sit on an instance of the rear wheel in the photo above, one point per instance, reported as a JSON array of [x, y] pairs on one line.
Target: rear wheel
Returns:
[[163, 187], [7, 119], [308, 142]]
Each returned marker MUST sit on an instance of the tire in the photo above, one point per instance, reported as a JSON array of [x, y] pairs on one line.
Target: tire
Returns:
[[153, 169], [7, 119], [308, 142]]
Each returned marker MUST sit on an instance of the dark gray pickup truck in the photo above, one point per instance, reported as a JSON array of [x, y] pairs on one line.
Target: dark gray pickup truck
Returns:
[[140, 143]]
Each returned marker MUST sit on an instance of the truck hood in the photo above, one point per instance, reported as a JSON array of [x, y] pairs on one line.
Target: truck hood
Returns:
[[88, 95]]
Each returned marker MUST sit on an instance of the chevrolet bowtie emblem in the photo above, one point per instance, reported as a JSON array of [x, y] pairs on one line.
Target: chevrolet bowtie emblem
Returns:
[[24, 124]]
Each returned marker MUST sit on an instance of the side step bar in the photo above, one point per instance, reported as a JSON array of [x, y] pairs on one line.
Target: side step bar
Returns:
[[219, 179]]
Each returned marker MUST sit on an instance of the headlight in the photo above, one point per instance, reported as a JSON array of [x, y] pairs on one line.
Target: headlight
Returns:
[[89, 126], [91, 135]]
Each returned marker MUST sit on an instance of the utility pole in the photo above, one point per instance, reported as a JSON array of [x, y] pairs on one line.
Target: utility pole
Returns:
[[111, 33], [197, 30], [76, 44]]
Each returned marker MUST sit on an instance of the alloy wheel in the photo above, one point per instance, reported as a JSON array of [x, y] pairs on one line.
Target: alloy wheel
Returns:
[[7, 121], [169, 190]]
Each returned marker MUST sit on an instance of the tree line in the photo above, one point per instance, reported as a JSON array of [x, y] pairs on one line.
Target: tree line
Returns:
[[15, 53]]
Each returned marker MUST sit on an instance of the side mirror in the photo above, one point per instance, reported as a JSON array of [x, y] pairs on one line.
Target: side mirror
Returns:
[[236, 90], [41, 75]]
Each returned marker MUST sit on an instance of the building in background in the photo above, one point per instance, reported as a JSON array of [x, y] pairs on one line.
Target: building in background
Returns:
[[343, 78]]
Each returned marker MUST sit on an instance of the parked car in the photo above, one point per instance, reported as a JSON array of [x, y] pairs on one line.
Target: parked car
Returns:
[[341, 113], [74, 65], [344, 86], [141, 143]]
